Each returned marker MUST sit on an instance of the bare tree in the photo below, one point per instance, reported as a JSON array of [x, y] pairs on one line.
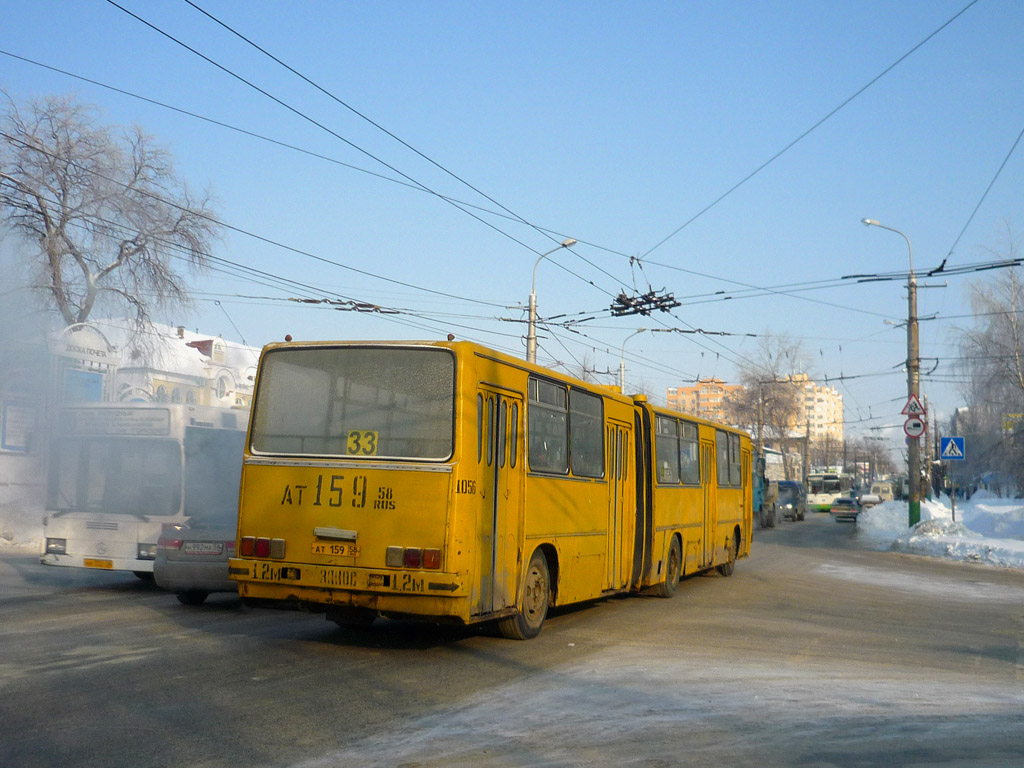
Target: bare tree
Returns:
[[109, 217], [769, 402], [769, 399]]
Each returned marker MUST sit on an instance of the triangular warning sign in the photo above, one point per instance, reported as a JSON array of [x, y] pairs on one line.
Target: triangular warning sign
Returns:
[[913, 407], [952, 451]]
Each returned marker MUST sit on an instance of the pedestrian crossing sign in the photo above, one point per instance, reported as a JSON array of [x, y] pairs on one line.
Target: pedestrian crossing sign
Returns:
[[952, 449]]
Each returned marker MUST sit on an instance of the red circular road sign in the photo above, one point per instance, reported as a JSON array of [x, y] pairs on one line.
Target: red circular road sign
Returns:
[[914, 426]]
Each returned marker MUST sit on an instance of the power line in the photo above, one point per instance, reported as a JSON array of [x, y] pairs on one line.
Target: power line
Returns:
[[312, 121], [753, 291], [941, 267], [338, 136], [806, 133]]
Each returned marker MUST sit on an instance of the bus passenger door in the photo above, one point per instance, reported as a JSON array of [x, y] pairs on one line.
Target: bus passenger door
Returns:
[[709, 481], [501, 498], [620, 512]]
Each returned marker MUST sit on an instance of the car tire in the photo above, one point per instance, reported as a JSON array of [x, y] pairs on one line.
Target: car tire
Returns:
[[192, 597]]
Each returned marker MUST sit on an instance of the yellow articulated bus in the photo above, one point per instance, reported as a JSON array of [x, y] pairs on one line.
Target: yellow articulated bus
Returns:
[[448, 481]]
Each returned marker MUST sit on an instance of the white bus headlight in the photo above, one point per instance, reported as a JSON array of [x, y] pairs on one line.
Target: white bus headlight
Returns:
[[147, 552], [56, 546]]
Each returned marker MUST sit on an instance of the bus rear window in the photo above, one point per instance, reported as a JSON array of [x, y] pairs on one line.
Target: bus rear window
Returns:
[[385, 402]]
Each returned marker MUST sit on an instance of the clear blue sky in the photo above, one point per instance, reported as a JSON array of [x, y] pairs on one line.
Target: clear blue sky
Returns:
[[612, 123]]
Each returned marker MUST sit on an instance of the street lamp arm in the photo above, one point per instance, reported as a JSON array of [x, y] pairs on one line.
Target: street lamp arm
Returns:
[[531, 335], [910, 248], [569, 243], [622, 360]]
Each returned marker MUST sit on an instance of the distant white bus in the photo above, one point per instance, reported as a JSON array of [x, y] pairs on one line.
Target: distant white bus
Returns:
[[121, 473], [825, 487]]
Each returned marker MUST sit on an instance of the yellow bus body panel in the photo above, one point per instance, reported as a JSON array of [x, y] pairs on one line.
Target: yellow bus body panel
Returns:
[[486, 513]]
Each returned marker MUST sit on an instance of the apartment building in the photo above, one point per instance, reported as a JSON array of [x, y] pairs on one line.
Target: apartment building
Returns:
[[706, 398]]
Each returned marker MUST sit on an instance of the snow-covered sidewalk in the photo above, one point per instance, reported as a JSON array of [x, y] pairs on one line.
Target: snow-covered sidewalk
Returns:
[[987, 530]]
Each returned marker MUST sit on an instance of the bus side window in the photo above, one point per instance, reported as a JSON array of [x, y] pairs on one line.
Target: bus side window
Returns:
[[479, 428], [514, 436]]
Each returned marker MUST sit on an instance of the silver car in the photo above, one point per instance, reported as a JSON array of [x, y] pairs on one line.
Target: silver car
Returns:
[[192, 559], [845, 508]]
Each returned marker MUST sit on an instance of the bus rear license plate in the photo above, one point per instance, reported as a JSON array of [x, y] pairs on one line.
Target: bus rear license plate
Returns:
[[94, 563], [203, 548], [337, 550]]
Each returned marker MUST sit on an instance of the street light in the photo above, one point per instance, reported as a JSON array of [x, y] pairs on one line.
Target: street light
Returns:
[[913, 378], [622, 360], [531, 335]]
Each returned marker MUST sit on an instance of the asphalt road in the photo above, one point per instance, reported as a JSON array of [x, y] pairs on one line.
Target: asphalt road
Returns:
[[818, 651]]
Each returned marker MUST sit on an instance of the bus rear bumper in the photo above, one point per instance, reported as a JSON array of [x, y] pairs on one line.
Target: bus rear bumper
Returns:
[[98, 563], [410, 593]]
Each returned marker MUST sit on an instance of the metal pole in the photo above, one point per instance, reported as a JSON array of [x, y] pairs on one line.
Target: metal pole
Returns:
[[622, 360], [531, 334]]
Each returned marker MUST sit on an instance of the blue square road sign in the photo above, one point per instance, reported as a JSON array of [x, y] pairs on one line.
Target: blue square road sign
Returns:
[[952, 449]]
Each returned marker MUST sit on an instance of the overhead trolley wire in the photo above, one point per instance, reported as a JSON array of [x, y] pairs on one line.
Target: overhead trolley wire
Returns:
[[321, 126], [806, 133], [275, 243], [351, 144]]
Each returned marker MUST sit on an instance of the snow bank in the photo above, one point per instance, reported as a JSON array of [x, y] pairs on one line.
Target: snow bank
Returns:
[[987, 529]]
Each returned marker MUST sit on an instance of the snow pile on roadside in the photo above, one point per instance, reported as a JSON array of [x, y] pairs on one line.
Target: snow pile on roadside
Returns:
[[994, 517], [987, 529], [20, 528]]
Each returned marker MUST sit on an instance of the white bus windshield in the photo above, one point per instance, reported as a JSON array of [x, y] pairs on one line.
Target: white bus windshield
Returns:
[[392, 402], [825, 485], [113, 475]]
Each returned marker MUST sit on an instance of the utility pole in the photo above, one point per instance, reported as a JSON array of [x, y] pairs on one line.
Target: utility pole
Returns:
[[913, 381]]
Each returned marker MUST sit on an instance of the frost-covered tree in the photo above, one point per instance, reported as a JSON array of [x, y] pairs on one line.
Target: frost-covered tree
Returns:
[[108, 220], [992, 364]]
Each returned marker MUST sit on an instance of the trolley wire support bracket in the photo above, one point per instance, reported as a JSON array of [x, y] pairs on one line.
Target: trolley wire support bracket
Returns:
[[643, 304]]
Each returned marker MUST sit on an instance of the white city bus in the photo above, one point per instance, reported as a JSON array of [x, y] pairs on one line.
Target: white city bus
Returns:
[[121, 473], [825, 487]]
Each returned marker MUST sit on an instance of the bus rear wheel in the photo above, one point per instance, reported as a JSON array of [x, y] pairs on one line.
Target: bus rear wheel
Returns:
[[527, 623], [673, 567], [732, 550]]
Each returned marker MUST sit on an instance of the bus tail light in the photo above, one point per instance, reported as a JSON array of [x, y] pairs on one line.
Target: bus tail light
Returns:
[[412, 557], [393, 557], [258, 546]]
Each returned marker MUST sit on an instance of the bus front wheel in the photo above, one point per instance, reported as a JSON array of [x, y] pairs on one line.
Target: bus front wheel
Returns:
[[527, 623], [673, 567]]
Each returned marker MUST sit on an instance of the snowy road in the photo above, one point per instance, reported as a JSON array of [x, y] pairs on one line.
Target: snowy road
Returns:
[[817, 652]]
